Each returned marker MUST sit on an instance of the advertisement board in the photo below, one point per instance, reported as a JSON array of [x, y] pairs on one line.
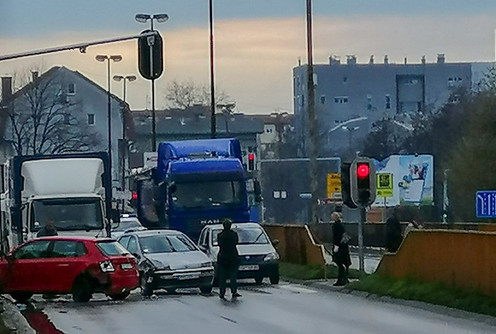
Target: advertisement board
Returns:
[[413, 177]]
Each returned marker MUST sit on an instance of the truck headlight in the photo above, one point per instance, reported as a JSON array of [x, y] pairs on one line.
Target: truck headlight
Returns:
[[106, 266], [271, 256]]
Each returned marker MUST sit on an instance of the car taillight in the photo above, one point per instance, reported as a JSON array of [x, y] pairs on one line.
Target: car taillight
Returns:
[[106, 266]]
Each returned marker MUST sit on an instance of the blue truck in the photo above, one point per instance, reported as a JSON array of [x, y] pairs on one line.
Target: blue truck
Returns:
[[195, 183]]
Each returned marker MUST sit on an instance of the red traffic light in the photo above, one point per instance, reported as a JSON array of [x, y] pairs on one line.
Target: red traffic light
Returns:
[[362, 170], [250, 156], [134, 195]]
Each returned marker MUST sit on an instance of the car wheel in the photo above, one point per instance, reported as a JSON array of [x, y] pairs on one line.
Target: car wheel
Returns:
[[206, 289], [82, 290], [274, 279], [146, 288], [21, 297], [259, 280], [120, 296]]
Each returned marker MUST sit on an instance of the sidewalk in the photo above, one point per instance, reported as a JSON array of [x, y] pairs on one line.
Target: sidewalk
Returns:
[[371, 260], [13, 319]]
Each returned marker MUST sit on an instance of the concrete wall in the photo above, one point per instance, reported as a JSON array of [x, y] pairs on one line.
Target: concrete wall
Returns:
[[462, 259], [296, 244]]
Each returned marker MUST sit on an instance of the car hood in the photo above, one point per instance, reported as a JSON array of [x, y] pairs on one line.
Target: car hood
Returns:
[[178, 260]]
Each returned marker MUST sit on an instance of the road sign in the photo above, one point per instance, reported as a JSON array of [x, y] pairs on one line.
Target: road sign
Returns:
[[485, 204], [384, 184], [150, 159], [333, 185]]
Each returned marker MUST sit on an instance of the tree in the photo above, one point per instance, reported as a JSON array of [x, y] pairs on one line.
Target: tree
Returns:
[[185, 94], [43, 120]]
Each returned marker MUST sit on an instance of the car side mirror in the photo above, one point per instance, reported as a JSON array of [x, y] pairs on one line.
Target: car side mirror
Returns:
[[275, 242]]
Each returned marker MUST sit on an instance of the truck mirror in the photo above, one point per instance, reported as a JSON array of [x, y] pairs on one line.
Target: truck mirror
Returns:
[[172, 187], [115, 215]]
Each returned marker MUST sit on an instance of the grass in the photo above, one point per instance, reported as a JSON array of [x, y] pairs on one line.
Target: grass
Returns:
[[434, 293], [310, 272]]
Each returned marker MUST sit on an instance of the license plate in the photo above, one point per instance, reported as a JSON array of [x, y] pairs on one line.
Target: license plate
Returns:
[[126, 266], [249, 267], [187, 276]]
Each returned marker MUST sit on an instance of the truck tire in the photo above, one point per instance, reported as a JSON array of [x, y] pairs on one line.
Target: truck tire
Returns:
[[21, 297], [82, 290]]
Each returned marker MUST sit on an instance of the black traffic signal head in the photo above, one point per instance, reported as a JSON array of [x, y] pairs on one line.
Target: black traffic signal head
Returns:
[[251, 161], [345, 185], [363, 186], [150, 48]]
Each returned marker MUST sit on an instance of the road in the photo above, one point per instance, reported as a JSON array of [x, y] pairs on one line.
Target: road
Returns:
[[286, 308]]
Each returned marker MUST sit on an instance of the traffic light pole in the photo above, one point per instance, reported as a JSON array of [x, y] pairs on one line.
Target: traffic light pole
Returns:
[[151, 42], [361, 256]]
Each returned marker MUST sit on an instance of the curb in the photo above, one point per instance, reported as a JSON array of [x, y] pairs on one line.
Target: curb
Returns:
[[440, 309], [13, 319]]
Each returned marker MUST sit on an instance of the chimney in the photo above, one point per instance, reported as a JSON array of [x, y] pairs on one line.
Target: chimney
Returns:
[[386, 60], [334, 60], [35, 75], [371, 60], [440, 58], [6, 88], [351, 60], [423, 60], [406, 60]]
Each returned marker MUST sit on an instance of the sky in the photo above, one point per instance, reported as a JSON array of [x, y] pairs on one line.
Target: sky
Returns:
[[257, 42]]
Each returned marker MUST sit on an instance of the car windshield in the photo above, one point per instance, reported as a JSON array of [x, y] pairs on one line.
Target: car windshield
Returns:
[[127, 223], [208, 194], [111, 248], [246, 235], [68, 214], [166, 244]]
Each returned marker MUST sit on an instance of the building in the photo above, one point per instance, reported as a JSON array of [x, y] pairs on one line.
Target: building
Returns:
[[192, 123], [277, 129], [62, 111], [350, 97]]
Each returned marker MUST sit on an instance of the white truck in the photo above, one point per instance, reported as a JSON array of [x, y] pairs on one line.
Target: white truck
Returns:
[[73, 191]]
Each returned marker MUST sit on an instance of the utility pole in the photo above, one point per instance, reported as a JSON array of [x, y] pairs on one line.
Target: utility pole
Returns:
[[312, 133], [213, 126]]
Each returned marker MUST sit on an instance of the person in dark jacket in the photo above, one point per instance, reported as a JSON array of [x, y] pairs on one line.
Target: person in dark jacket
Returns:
[[394, 236], [227, 260], [341, 252], [47, 230]]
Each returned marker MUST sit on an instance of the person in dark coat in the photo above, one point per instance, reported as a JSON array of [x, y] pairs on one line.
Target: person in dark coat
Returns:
[[47, 230], [341, 251], [227, 260], [394, 236]]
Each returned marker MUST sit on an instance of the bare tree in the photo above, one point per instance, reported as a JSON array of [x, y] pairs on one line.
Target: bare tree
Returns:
[[185, 94], [43, 120]]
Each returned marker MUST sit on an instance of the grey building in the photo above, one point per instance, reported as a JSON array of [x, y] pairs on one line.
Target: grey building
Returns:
[[350, 97], [192, 123], [71, 115]]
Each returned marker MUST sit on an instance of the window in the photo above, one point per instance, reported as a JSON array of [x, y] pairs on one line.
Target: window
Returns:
[[388, 101], [111, 248], [345, 79], [322, 99], [91, 119], [369, 102], [68, 249], [132, 247], [33, 250], [340, 99], [71, 89], [123, 241]]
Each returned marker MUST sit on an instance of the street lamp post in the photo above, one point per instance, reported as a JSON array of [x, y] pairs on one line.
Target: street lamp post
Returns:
[[213, 125], [124, 79], [142, 18], [108, 58], [350, 131]]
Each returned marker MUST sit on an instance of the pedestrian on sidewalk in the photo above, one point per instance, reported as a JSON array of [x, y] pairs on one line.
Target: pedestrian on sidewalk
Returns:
[[227, 260], [340, 249], [394, 237]]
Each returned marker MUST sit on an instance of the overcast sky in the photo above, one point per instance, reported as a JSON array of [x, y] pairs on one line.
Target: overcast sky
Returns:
[[257, 42]]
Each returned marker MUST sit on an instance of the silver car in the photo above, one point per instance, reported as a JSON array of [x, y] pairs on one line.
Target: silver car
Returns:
[[126, 224], [168, 259]]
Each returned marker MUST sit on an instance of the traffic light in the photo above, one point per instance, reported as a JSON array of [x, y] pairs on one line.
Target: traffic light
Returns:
[[251, 161], [345, 185], [144, 56], [363, 188]]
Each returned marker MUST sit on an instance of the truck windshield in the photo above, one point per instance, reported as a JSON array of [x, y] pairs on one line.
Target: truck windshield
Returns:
[[68, 214], [208, 194]]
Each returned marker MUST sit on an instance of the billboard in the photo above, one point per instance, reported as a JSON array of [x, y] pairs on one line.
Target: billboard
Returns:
[[413, 180]]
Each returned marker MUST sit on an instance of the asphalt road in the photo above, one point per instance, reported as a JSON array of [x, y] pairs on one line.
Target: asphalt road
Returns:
[[286, 308]]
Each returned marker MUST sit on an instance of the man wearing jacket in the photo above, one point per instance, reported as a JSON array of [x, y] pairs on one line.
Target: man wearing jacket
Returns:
[[227, 260]]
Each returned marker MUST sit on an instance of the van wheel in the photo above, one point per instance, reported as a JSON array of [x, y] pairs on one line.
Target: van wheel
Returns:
[[82, 290], [146, 288], [120, 296], [21, 297], [274, 279]]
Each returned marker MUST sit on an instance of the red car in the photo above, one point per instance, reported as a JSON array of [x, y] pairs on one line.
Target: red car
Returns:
[[77, 265]]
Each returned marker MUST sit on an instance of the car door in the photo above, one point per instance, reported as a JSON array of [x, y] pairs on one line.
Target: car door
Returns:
[[23, 269], [67, 260]]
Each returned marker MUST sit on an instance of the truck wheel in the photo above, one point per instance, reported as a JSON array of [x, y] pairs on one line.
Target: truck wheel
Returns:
[[120, 296], [146, 288], [21, 297], [82, 290], [207, 289]]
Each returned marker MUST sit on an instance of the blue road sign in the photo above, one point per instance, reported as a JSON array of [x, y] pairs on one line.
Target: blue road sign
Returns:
[[485, 204]]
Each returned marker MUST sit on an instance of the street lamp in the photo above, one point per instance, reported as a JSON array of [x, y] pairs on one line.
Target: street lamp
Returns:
[[108, 58], [124, 79], [350, 130], [142, 18]]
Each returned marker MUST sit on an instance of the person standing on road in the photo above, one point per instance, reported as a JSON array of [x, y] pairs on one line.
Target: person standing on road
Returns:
[[227, 260], [394, 236], [48, 230], [340, 249]]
